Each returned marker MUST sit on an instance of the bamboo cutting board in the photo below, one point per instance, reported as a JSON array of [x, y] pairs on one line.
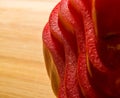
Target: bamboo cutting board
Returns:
[[22, 69]]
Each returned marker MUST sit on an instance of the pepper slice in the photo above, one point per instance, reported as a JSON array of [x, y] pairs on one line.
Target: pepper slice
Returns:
[[74, 52]]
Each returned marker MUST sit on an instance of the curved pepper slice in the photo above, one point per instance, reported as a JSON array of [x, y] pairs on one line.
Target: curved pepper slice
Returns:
[[76, 46]]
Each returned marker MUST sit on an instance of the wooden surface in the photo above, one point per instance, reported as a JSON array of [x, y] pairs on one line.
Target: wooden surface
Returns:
[[22, 69]]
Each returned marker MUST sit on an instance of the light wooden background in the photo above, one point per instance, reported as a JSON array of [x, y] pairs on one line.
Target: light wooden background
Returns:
[[22, 69]]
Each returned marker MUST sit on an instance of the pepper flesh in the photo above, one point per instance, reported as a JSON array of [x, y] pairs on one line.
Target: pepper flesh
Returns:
[[78, 48]]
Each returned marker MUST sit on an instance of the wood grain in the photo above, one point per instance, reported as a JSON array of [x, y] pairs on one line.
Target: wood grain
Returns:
[[22, 69]]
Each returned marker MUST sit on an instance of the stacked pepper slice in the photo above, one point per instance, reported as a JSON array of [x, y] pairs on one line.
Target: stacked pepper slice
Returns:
[[73, 54]]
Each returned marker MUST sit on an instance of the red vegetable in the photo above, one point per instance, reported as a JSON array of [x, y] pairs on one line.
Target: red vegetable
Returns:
[[82, 48]]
